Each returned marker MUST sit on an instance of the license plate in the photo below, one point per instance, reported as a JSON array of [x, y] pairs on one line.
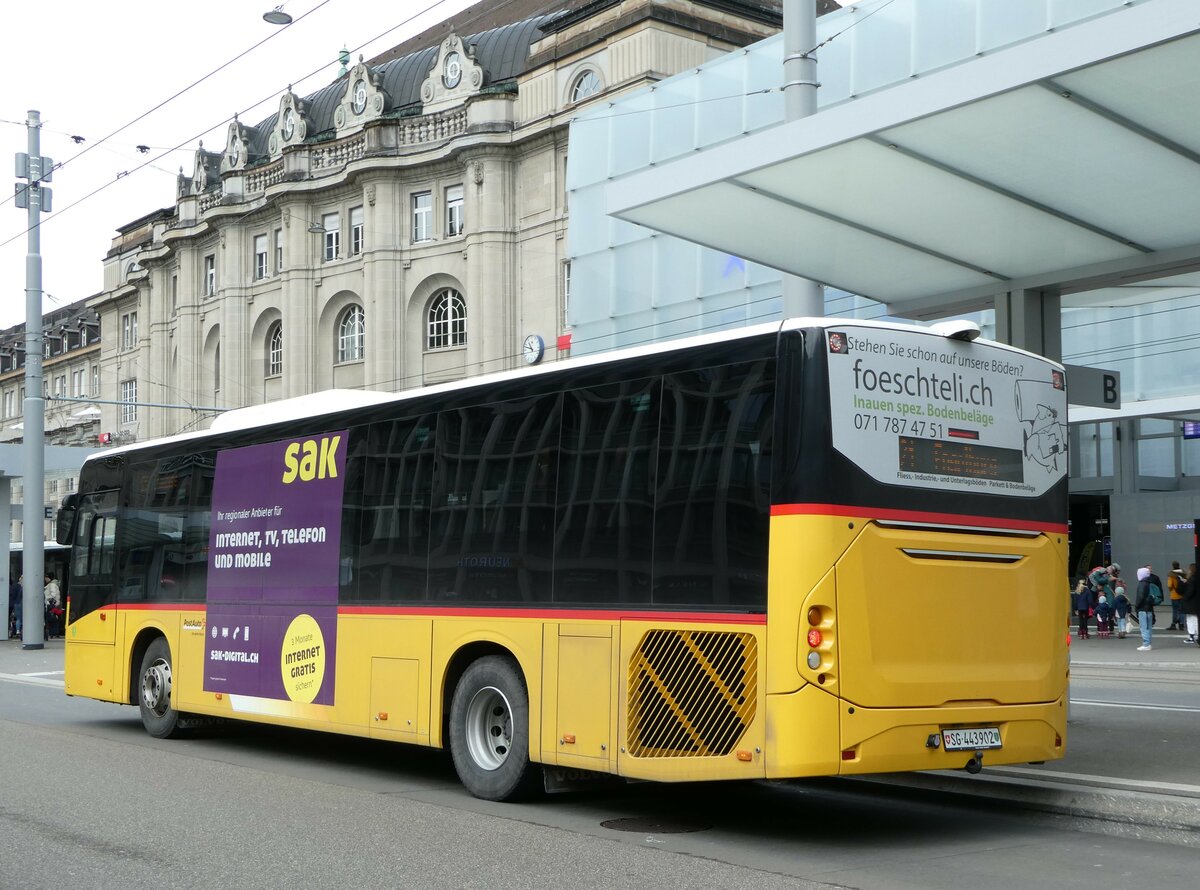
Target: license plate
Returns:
[[971, 739]]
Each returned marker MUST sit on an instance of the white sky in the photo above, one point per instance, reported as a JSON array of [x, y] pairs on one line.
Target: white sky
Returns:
[[92, 67]]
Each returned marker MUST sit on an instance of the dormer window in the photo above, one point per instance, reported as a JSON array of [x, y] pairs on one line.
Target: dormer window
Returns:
[[451, 70], [360, 96], [289, 123]]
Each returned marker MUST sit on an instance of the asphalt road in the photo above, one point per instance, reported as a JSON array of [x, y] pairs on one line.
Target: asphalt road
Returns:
[[89, 800]]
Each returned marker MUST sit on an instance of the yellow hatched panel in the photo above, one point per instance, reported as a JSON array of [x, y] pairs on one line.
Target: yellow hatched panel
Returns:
[[691, 693]]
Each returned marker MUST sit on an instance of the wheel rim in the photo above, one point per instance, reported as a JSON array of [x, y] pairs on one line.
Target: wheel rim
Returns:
[[489, 728], [156, 687]]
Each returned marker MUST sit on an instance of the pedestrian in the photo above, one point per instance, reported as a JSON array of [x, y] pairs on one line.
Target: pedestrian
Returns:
[[15, 606], [1100, 579], [53, 605], [19, 606], [1121, 606], [1104, 613], [1191, 604], [1144, 606], [1085, 606], [1114, 574], [1175, 579]]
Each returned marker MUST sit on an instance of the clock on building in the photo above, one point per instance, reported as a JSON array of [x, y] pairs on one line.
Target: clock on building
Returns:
[[289, 123], [533, 349], [235, 152], [360, 96]]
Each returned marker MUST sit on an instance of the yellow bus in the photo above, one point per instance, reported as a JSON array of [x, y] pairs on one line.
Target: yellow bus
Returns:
[[810, 548]]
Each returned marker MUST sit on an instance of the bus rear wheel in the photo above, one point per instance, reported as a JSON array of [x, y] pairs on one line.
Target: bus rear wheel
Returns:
[[489, 731], [154, 692]]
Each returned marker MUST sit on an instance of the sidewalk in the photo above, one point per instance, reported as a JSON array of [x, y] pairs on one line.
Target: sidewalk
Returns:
[[1168, 649], [17, 661]]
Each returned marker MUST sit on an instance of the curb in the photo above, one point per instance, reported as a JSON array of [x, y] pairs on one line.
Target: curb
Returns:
[[1157, 808]]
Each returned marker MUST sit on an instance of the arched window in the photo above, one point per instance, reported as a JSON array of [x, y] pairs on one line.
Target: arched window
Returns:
[[352, 331], [447, 320], [217, 369], [586, 84], [275, 350]]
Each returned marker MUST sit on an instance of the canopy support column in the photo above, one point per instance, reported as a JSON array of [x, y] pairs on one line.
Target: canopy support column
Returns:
[[1032, 320]]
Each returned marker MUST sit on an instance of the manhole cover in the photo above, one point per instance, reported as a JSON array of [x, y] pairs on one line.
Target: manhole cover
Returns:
[[647, 825]]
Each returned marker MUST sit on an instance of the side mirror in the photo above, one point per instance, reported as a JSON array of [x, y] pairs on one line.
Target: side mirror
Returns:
[[64, 529]]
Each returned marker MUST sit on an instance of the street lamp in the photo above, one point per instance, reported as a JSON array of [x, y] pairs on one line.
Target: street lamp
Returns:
[[277, 16]]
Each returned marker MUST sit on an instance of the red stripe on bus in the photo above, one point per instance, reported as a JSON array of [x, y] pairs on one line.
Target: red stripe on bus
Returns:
[[155, 607], [559, 614], [482, 612], [914, 516]]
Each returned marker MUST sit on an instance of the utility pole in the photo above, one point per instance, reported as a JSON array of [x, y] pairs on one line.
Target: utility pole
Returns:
[[35, 199], [801, 297]]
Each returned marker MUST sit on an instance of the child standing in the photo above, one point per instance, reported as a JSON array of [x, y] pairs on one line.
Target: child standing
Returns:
[[1085, 604], [1104, 613], [1121, 607]]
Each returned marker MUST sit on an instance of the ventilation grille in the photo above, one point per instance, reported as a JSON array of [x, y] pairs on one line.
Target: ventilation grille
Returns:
[[691, 693]]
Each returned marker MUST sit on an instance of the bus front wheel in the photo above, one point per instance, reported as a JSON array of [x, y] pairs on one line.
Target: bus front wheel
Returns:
[[154, 692], [489, 731]]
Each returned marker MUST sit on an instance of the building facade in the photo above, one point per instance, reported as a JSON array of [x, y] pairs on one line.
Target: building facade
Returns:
[[404, 225], [71, 349]]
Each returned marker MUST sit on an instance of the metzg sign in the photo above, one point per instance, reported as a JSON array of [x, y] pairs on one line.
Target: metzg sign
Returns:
[[1093, 387]]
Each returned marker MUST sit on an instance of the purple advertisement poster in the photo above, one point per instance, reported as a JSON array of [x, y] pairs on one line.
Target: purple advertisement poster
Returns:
[[273, 570]]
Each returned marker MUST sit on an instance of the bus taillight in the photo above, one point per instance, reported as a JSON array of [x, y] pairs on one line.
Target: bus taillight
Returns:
[[814, 638]]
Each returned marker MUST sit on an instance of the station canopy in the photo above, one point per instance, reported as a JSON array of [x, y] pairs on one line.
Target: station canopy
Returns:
[[1070, 162]]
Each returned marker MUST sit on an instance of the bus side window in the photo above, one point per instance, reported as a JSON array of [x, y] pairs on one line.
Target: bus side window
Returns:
[[493, 506], [712, 511], [92, 558], [393, 531], [604, 516], [165, 529]]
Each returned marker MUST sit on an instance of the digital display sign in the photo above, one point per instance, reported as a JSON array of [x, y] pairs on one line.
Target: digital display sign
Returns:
[[966, 460], [1191, 429]]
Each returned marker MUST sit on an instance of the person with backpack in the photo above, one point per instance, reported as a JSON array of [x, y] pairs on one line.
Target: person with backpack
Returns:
[[1191, 604], [1144, 605], [1175, 579], [1084, 605], [1122, 606]]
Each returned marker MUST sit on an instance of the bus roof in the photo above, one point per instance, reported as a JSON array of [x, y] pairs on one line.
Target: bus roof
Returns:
[[332, 401], [19, 546]]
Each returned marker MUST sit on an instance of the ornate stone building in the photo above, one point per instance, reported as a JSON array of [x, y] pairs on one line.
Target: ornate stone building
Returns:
[[71, 340], [402, 226]]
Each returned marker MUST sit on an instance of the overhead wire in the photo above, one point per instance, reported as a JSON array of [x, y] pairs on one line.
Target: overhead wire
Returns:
[[275, 33], [252, 106]]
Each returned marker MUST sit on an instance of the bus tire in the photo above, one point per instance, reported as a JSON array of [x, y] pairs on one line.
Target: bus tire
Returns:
[[154, 692], [489, 731]]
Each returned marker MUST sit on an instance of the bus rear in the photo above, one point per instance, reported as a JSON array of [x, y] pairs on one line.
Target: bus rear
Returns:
[[918, 555]]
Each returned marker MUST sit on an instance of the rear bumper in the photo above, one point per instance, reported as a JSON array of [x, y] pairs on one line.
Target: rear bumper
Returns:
[[809, 730]]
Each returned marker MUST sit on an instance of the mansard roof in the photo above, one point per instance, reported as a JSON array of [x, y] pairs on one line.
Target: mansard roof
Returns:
[[480, 17], [502, 52]]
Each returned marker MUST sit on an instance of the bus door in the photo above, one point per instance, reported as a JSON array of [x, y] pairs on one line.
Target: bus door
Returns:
[[91, 619]]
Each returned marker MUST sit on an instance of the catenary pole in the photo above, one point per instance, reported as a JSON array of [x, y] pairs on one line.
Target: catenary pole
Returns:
[[801, 297], [33, 567]]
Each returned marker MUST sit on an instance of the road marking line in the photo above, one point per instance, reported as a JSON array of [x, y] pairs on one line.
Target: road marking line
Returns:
[[43, 674], [1183, 709], [32, 680], [1107, 781]]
